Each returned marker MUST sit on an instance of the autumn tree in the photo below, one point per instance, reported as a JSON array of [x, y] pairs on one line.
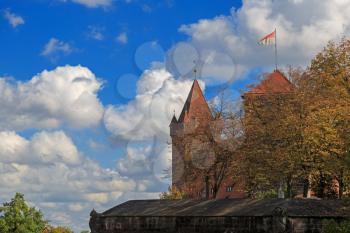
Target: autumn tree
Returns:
[[326, 88], [272, 130], [172, 194], [304, 133], [57, 229]]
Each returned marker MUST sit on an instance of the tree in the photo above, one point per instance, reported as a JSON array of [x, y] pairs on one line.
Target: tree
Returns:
[[327, 87], [272, 151], [172, 194], [17, 217], [304, 134], [59, 229]]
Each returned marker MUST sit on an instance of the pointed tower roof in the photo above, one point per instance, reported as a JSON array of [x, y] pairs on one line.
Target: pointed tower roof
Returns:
[[195, 106], [173, 120], [275, 83]]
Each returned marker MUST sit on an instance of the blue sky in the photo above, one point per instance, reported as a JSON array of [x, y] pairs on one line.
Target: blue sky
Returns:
[[141, 21], [88, 87], [107, 58]]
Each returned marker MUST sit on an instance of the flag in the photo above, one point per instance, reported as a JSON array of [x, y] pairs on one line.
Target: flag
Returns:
[[268, 39]]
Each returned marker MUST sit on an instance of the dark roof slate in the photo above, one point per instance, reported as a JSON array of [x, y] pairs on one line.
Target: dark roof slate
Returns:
[[230, 207]]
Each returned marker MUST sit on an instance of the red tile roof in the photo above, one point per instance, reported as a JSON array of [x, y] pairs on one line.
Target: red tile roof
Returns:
[[196, 106], [273, 83]]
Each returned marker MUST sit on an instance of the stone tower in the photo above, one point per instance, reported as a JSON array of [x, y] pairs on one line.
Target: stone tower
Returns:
[[193, 122], [191, 150]]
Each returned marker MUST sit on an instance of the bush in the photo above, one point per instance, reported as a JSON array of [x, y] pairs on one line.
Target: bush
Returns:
[[266, 194], [331, 226]]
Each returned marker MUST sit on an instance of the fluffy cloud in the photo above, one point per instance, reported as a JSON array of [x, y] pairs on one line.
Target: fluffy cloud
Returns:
[[13, 19], [56, 177], [64, 96], [159, 94], [93, 3], [50, 160], [146, 162], [227, 45], [55, 48], [41, 150], [122, 38], [95, 33], [142, 126]]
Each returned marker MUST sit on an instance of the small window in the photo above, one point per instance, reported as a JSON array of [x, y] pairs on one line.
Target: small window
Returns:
[[212, 191], [229, 189]]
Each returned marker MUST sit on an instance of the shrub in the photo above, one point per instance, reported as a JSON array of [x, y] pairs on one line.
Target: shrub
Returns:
[[331, 226]]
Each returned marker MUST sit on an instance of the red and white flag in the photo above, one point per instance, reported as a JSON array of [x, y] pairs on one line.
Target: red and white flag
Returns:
[[268, 39]]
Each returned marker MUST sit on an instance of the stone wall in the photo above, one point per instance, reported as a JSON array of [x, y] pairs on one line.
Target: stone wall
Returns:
[[225, 224]]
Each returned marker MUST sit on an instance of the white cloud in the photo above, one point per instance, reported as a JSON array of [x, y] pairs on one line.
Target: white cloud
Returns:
[[93, 3], [96, 32], [60, 180], [122, 38], [76, 207], [54, 174], [146, 8], [303, 29], [55, 48], [41, 150], [145, 162], [64, 96], [94, 145], [143, 126], [13, 19], [149, 114]]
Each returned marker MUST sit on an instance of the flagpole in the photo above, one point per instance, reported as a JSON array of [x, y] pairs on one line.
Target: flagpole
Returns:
[[276, 49]]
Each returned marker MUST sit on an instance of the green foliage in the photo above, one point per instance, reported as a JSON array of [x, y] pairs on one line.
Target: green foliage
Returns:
[[331, 226], [172, 194], [60, 230], [266, 194], [85, 232], [17, 217]]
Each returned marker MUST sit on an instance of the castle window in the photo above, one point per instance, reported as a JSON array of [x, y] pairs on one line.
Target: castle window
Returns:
[[229, 189]]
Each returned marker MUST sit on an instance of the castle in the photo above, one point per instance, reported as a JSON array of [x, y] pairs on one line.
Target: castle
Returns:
[[191, 152], [192, 134]]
